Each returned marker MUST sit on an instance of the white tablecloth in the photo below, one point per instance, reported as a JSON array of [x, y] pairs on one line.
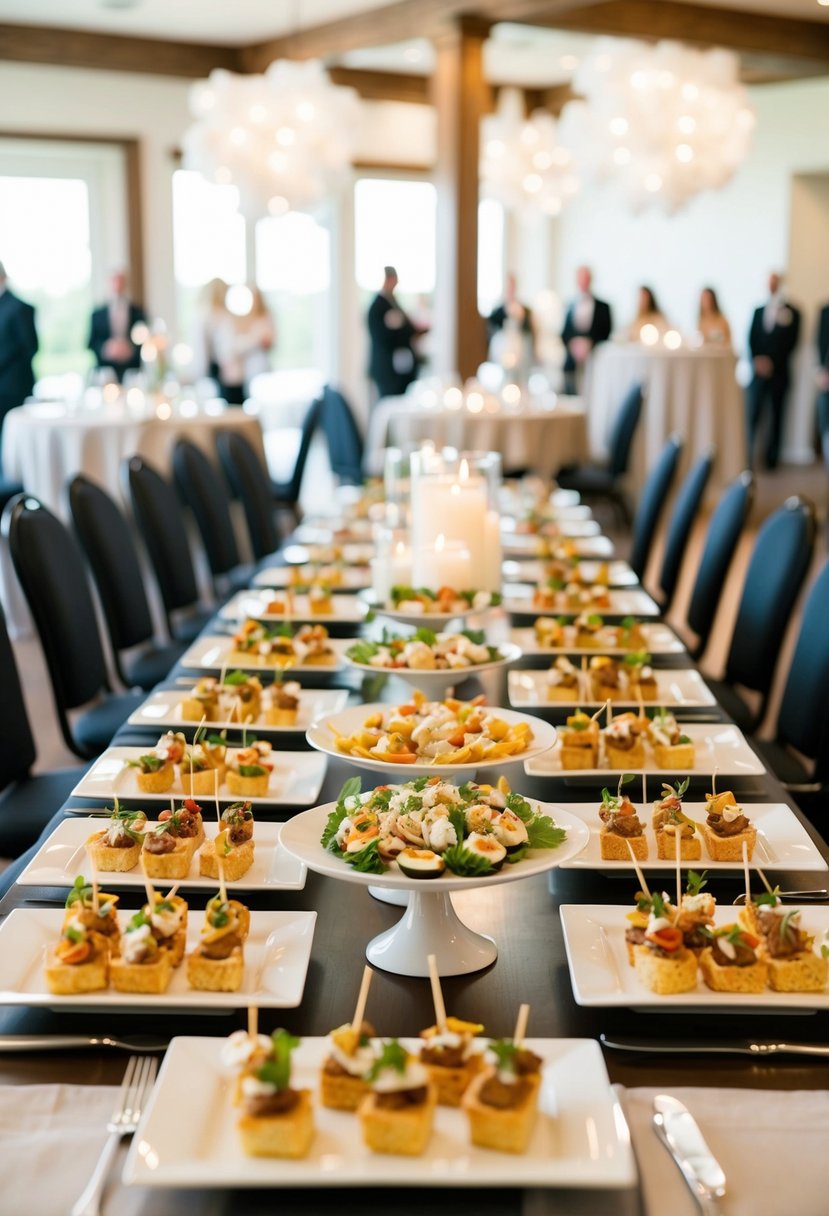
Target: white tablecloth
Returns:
[[544, 440], [694, 392]]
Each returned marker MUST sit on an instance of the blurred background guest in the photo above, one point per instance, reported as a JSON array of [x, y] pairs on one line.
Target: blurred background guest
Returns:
[[111, 327], [648, 313], [712, 325], [18, 346], [775, 329], [510, 331], [823, 380], [243, 342], [587, 323], [211, 312], [393, 359]]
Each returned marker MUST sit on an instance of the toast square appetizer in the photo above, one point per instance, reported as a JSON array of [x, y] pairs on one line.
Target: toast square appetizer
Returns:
[[562, 682], [79, 962], [249, 774], [276, 1120], [118, 847], [169, 848], [156, 769], [241, 697], [234, 844], [281, 703], [695, 915], [202, 702], [605, 679], [623, 745], [662, 961], [726, 828], [621, 825], [217, 963], [501, 1103], [96, 910], [198, 775], [580, 742], [671, 748], [144, 966], [731, 962], [350, 1056], [168, 923], [451, 1060], [396, 1114], [673, 828], [639, 676], [793, 965]]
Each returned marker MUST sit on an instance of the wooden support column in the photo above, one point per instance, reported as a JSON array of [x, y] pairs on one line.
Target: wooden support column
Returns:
[[460, 97]]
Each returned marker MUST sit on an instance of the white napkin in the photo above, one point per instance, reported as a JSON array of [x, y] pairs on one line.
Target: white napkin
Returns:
[[771, 1144]]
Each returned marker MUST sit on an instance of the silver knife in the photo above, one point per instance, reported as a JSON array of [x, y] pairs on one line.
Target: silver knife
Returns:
[[63, 1042], [627, 1043], [679, 1131]]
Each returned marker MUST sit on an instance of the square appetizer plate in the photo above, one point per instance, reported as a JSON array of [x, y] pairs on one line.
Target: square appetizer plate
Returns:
[[63, 856], [162, 711], [254, 604], [782, 841], [596, 548], [720, 748], [188, 1135], [594, 938], [215, 652], [658, 639], [352, 553], [678, 689], [633, 601], [295, 781], [277, 952], [531, 570], [347, 578]]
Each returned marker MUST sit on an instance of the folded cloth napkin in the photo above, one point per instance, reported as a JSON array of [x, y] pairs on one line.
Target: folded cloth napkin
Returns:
[[771, 1144]]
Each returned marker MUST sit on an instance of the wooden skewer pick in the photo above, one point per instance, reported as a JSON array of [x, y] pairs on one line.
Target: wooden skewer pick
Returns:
[[763, 878], [677, 854], [148, 886], [521, 1025], [95, 904], [253, 1022], [173, 891], [216, 796], [600, 711], [222, 888], [746, 873], [644, 789], [362, 999], [642, 883], [437, 994], [714, 784]]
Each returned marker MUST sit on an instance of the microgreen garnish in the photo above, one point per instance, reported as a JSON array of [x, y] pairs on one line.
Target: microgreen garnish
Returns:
[[276, 1070], [392, 1056]]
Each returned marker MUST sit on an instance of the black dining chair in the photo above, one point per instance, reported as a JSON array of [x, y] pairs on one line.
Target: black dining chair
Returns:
[[680, 525], [203, 489], [725, 528], [604, 481], [50, 568], [159, 517], [343, 437], [107, 541], [776, 571], [250, 483], [287, 492], [27, 802], [655, 491]]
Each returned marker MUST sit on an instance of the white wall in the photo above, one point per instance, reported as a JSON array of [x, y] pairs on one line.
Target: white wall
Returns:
[[729, 239]]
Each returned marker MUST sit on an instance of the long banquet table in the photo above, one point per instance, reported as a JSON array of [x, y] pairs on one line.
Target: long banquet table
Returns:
[[523, 918]]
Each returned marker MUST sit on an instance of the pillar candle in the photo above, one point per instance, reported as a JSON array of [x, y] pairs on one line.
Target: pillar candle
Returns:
[[446, 563], [392, 569]]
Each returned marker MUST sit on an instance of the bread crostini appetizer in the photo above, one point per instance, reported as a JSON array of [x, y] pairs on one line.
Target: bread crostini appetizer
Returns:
[[117, 848], [672, 749], [169, 848], [144, 965], [579, 742], [217, 963], [396, 1114], [276, 1120], [623, 741], [95, 910], [249, 773], [233, 845], [727, 828], [501, 1102], [662, 961], [156, 769], [731, 962], [563, 681], [622, 830], [793, 965], [674, 830], [79, 962]]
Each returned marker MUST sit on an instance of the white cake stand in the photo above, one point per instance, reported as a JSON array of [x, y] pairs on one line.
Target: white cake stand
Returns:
[[430, 924]]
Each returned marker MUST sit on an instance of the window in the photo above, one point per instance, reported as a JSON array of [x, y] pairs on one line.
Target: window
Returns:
[[293, 272], [394, 225], [490, 255]]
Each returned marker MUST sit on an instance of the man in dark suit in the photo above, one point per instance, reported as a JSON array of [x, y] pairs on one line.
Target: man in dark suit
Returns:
[[392, 362], [587, 323], [110, 332], [18, 346], [775, 329], [823, 380]]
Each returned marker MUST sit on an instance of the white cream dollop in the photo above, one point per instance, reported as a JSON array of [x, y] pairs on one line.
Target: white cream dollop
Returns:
[[239, 1047], [390, 1081]]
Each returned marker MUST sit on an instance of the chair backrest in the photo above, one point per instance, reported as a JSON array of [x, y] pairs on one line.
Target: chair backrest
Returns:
[[107, 541], [624, 428], [50, 567], [778, 566], [160, 520], [17, 745], [345, 443], [724, 530], [252, 486], [201, 486], [684, 513], [804, 713], [309, 425], [651, 503]]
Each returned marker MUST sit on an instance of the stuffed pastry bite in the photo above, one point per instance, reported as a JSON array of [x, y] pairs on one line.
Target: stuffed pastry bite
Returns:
[[674, 830], [78, 962], [217, 963], [579, 742], [233, 845], [621, 827], [350, 1056], [731, 962], [396, 1114], [96, 912], [117, 848], [672, 748], [451, 1058], [144, 966], [501, 1103], [276, 1120], [727, 828], [249, 773]]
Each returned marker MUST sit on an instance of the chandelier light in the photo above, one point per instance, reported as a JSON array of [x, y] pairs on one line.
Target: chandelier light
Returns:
[[284, 139], [662, 123], [523, 165]]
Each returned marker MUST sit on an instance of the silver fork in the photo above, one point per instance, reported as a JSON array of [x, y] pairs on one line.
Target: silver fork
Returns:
[[135, 1088]]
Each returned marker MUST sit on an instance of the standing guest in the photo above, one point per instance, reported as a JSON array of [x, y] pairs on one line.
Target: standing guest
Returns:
[[210, 316], [775, 328], [18, 346], [510, 331], [587, 323], [823, 380], [243, 344], [648, 313], [712, 325], [393, 361], [110, 333]]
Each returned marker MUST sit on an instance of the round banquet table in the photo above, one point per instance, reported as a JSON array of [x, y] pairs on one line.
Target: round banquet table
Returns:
[[533, 437], [692, 391]]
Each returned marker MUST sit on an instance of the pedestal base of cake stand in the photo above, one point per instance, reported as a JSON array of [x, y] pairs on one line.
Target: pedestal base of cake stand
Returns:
[[431, 925]]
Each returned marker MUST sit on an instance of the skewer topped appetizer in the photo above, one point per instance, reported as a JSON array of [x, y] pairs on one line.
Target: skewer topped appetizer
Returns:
[[672, 825], [350, 1056], [276, 1120], [118, 847], [731, 962], [233, 844], [622, 830], [217, 963], [671, 748], [95, 910], [448, 1049], [156, 771], [502, 1100], [396, 1114], [727, 827]]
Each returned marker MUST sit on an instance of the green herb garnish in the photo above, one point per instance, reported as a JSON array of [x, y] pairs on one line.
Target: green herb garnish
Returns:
[[276, 1070], [392, 1056]]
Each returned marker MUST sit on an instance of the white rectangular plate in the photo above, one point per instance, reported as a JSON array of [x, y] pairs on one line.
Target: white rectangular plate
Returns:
[[188, 1135], [679, 689], [211, 653], [277, 952], [295, 781], [162, 711], [782, 841], [63, 856], [531, 570], [600, 548], [594, 938], [253, 603], [518, 598], [566, 528], [720, 747], [354, 578], [659, 639], [352, 553]]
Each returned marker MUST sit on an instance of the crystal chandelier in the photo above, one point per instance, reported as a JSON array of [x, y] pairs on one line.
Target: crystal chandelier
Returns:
[[523, 165], [661, 123], [284, 139]]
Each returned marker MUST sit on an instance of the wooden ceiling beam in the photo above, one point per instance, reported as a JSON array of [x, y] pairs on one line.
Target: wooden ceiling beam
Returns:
[[114, 53]]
